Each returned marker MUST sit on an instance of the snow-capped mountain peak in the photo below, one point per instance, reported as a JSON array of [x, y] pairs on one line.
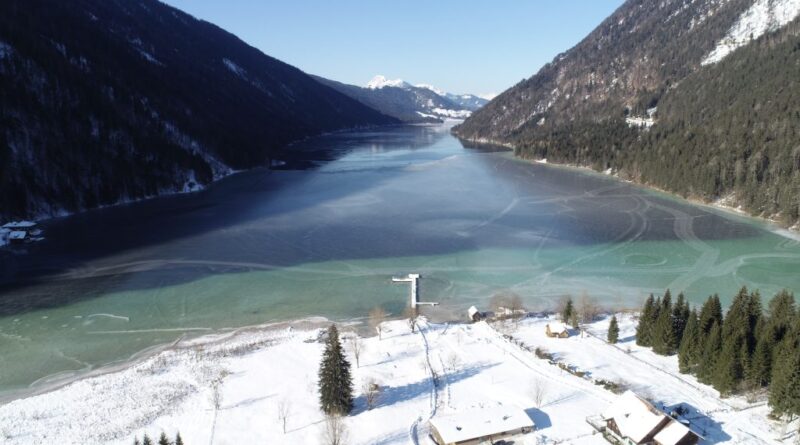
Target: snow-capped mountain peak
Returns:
[[380, 81], [764, 16], [431, 88]]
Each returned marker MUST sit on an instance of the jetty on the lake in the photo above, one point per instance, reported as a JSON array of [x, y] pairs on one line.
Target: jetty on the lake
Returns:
[[413, 278]]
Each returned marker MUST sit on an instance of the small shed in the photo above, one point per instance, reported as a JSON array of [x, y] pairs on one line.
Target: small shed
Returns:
[[556, 329], [479, 425], [474, 314], [17, 236]]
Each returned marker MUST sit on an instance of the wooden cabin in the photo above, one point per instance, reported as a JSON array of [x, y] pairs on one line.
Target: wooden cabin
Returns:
[[556, 330]]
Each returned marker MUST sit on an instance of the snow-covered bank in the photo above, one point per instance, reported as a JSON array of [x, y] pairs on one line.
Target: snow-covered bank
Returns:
[[437, 370]]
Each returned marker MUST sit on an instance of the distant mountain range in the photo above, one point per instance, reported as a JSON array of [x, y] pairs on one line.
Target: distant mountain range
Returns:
[[409, 103], [104, 101], [698, 97]]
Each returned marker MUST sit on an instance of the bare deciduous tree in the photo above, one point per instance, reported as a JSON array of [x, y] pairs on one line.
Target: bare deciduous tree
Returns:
[[334, 430], [588, 308], [371, 390], [376, 317], [411, 315], [454, 361], [216, 395], [357, 346], [284, 410], [538, 392]]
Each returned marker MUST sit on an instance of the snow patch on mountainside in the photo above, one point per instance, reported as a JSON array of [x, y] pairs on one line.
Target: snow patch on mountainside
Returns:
[[764, 16], [236, 69], [379, 82]]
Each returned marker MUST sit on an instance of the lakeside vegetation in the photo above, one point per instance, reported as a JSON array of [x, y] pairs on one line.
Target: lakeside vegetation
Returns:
[[747, 350]]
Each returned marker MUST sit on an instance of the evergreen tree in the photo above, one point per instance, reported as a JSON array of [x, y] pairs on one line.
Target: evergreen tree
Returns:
[[569, 309], [178, 439], [335, 381], [771, 332], [136, 441], [711, 351], [664, 340], [573, 319], [613, 330], [162, 440], [728, 371], [710, 313], [644, 328], [784, 390], [688, 352], [680, 316], [146, 440], [758, 373]]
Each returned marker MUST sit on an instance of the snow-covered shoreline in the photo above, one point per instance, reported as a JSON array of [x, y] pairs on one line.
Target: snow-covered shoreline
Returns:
[[439, 369]]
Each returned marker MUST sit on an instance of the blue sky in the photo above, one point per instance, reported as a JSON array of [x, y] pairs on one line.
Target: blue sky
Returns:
[[478, 47]]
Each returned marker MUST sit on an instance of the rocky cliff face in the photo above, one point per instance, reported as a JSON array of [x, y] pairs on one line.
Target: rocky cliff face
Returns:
[[103, 101]]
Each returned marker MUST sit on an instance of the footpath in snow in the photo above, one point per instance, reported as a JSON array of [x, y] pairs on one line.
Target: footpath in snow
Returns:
[[229, 390]]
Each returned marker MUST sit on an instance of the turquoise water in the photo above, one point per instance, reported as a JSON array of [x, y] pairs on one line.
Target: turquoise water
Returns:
[[265, 246]]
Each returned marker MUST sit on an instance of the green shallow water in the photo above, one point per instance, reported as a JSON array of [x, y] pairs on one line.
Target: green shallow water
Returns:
[[266, 246]]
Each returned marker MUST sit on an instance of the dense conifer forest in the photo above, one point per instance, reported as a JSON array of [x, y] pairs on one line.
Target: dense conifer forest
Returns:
[[747, 350]]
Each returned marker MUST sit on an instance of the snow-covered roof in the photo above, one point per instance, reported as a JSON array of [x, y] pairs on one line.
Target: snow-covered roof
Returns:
[[634, 416], [477, 423], [557, 327], [19, 225], [672, 433], [17, 235]]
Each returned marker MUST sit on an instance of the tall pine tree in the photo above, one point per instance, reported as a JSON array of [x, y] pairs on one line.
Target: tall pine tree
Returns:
[[613, 330], [335, 381], [711, 351], [644, 328], [689, 350], [663, 335], [784, 390]]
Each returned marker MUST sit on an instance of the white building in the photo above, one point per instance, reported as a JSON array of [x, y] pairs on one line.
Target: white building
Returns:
[[480, 425]]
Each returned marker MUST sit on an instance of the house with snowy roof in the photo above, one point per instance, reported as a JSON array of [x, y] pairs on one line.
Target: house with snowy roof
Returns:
[[631, 420], [556, 329], [478, 426]]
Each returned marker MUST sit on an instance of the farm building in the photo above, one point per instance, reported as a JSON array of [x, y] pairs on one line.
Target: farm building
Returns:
[[556, 329], [474, 314], [480, 425], [631, 420]]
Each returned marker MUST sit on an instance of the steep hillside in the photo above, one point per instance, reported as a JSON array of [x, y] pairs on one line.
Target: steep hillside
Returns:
[[109, 100], [402, 100], [655, 93]]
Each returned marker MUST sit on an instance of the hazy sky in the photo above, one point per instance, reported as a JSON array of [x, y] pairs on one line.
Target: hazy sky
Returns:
[[464, 46]]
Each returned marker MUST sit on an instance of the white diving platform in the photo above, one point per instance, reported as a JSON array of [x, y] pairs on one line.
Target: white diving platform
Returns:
[[413, 278]]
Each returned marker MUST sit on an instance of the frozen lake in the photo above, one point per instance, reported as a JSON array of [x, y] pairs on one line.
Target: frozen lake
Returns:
[[274, 245]]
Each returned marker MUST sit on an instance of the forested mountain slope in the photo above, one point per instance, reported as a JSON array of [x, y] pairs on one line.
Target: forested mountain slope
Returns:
[[695, 97], [109, 100]]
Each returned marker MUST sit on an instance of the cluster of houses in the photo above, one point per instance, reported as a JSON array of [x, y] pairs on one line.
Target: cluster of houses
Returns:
[[630, 420], [19, 232]]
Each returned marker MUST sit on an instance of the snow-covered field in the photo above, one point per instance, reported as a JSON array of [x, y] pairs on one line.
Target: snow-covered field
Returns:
[[255, 371]]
